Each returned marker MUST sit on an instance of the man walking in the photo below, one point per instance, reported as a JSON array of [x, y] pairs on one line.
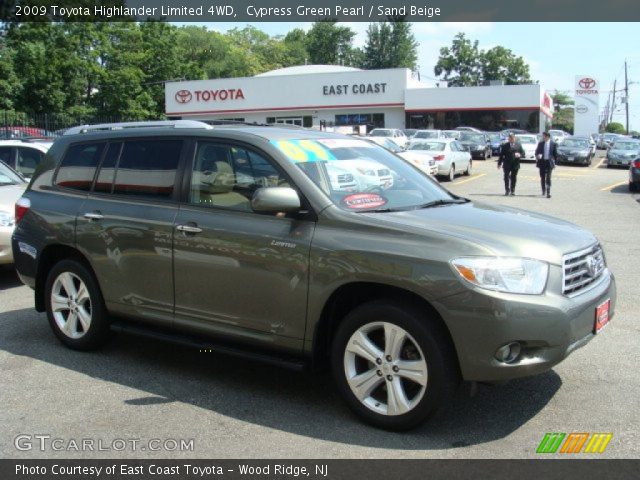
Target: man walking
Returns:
[[546, 153], [510, 154]]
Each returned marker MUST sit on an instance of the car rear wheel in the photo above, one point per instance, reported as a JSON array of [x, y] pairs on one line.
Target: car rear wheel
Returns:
[[75, 308], [392, 366], [467, 172], [633, 187], [451, 176]]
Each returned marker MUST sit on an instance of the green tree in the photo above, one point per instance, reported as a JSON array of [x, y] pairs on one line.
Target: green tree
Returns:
[[563, 115], [295, 44], [9, 81], [459, 64], [331, 44], [390, 45], [499, 63], [615, 127], [464, 64]]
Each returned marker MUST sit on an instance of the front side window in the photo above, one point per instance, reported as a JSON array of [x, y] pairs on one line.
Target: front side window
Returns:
[[227, 176], [79, 166], [147, 168], [360, 176]]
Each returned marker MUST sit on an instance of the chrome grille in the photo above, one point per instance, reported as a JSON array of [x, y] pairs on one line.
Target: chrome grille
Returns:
[[582, 270], [345, 178]]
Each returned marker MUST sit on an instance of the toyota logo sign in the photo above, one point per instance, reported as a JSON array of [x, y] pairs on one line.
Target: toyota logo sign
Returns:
[[183, 96], [587, 83]]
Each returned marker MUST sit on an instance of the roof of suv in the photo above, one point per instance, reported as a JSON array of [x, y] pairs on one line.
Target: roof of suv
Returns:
[[266, 132]]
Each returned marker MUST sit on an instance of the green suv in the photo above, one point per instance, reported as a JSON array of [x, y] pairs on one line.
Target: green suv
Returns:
[[303, 249]]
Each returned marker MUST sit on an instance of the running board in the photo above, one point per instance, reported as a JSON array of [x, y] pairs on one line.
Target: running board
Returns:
[[178, 338]]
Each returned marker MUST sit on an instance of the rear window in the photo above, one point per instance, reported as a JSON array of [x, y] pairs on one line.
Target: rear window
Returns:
[[148, 168], [78, 166]]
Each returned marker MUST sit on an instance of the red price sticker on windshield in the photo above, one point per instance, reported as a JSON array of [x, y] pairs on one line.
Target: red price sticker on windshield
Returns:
[[364, 201]]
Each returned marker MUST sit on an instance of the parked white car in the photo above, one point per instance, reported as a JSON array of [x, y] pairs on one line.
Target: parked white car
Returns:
[[394, 134], [12, 186], [341, 180], [23, 155], [421, 160], [529, 144], [558, 136], [426, 135], [368, 174], [450, 157]]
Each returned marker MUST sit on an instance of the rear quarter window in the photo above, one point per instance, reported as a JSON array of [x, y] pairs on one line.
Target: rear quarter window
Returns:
[[78, 166]]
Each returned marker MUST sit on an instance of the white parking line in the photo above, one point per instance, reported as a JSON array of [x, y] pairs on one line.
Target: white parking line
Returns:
[[611, 187]]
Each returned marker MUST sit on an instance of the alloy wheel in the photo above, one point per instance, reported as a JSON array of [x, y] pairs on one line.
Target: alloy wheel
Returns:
[[71, 305], [385, 368]]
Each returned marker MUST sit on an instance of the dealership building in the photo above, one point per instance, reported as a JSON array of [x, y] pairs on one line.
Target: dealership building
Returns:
[[349, 99]]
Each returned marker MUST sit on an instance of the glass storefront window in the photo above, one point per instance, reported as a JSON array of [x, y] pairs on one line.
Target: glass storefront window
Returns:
[[489, 120]]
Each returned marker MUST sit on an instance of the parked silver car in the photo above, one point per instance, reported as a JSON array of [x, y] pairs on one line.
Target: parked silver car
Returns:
[[12, 185], [623, 152]]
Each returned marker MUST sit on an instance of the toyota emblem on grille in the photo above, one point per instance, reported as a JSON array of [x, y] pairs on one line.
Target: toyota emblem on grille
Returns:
[[183, 96]]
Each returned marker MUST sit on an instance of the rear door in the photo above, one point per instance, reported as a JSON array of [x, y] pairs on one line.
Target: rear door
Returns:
[[237, 272], [125, 226]]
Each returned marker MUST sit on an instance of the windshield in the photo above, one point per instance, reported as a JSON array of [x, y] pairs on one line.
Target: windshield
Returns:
[[572, 142], [495, 137], [380, 133], [432, 146], [8, 176], [471, 137], [426, 134], [359, 176], [527, 140], [451, 134], [626, 146]]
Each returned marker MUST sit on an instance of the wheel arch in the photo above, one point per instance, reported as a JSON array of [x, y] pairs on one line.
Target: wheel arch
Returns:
[[348, 296], [51, 255]]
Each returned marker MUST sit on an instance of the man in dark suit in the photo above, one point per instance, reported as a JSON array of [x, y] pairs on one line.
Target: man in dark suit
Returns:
[[546, 153], [510, 154]]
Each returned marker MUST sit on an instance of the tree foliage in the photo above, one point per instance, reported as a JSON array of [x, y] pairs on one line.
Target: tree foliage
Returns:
[[390, 45], [615, 127], [464, 64], [331, 44]]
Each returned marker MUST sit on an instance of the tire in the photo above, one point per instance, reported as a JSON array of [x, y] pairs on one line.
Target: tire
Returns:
[[467, 172], [633, 187], [66, 319], [434, 365], [451, 176]]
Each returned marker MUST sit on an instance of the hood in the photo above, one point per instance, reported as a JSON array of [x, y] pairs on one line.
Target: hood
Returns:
[[498, 230], [9, 194]]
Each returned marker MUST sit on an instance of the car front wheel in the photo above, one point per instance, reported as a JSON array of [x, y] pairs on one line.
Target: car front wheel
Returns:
[[75, 308], [391, 366]]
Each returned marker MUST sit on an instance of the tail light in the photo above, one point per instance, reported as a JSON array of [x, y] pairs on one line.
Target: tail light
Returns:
[[636, 163], [438, 158], [22, 207]]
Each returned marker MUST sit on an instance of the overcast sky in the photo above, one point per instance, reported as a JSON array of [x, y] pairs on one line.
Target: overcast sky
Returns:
[[555, 52]]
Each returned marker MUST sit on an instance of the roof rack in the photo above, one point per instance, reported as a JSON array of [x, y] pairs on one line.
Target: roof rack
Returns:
[[126, 125]]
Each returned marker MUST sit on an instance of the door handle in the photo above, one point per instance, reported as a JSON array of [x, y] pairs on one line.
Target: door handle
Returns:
[[93, 216], [188, 229]]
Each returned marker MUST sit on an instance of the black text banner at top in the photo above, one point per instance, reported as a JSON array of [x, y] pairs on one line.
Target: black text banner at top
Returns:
[[315, 10]]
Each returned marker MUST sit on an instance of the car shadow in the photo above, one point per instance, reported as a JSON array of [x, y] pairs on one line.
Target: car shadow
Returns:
[[8, 278], [301, 403], [624, 188]]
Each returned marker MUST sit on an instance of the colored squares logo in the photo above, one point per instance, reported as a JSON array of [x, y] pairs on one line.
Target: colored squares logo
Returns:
[[576, 442]]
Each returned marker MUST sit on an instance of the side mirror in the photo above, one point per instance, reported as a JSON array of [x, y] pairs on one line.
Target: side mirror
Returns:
[[275, 200]]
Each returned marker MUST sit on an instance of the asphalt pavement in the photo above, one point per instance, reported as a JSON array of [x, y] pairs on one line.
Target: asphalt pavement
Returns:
[[134, 390]]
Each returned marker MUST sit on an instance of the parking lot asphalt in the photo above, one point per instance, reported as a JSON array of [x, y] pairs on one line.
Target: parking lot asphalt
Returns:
[[142, 389]]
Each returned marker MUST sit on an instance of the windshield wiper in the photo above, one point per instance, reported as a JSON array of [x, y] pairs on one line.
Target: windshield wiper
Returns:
[[441, 202]]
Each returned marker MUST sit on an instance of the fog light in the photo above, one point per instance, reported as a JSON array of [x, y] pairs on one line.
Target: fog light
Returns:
[[508, 353]]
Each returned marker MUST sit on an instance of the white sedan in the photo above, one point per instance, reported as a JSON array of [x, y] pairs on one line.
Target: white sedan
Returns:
[[451, 158], [529, 144]]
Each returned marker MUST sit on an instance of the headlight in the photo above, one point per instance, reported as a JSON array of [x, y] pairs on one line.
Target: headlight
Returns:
[[6, 219], [504, 274]]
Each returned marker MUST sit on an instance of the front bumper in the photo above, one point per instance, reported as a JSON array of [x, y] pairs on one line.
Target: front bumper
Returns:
[[619, 162], [581, 159], [634, 175], [6, 254], [548, 327]]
